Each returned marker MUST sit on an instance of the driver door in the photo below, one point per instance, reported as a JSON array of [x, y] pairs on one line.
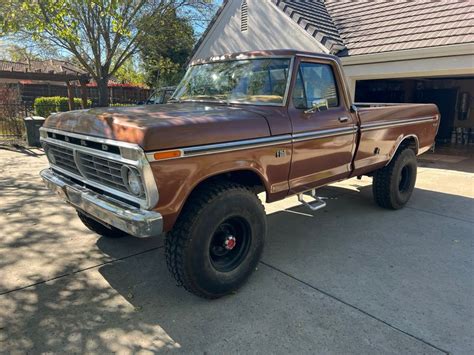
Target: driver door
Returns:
[[323, 135]]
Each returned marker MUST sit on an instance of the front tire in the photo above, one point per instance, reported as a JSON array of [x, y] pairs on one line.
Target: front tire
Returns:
[[393, 185], [217, 241]]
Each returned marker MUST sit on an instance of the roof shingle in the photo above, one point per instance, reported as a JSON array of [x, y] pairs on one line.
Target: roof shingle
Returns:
[[315, 19], [368, 27], [38, 66]]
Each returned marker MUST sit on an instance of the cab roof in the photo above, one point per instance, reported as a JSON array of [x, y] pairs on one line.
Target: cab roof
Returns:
[[263, 53]]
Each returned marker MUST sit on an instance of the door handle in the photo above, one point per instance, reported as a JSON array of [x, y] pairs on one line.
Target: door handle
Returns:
[[343, 119]]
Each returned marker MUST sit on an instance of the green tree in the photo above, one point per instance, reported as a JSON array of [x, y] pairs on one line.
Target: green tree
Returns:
[[22, 52], [165, 47], [100, 34], [17, 53], [129, 73]]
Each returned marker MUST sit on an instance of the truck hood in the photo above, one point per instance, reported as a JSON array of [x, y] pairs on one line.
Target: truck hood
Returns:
[[156, 127]]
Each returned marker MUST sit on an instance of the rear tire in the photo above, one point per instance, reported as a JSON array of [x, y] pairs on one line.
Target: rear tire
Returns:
[[217, 240], [99, 228], [393, 184]]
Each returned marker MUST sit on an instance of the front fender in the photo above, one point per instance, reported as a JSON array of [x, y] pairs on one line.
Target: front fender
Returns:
[[177, 178]]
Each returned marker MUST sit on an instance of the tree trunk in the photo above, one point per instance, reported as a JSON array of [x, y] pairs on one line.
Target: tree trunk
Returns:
[[84, 93], [70, 95], [103, 92]]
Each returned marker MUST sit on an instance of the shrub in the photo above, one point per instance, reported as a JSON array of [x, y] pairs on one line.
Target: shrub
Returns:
[[45, 106], [121, 105]]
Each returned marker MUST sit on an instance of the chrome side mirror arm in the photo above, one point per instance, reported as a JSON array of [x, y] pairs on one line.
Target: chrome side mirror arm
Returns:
[[318, 105]]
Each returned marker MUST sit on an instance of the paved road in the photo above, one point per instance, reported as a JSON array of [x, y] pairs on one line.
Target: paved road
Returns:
[[350, 278]]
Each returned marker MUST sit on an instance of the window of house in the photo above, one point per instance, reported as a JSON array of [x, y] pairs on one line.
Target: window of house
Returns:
[[315, 82]]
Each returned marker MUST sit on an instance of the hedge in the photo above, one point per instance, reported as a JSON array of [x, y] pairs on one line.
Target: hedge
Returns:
[[45, 106], [121, 105]]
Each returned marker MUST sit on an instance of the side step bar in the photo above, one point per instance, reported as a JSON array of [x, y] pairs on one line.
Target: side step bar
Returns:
[[314, 205]]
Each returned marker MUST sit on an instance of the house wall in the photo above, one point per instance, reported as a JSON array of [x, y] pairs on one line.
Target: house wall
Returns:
[[429, 62], [409, 75], [268, 28]]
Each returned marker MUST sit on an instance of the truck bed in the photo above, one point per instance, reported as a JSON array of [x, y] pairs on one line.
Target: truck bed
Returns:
[[382, 126]]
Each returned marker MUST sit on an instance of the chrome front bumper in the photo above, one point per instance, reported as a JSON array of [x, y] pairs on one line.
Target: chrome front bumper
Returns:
[[137, 222]]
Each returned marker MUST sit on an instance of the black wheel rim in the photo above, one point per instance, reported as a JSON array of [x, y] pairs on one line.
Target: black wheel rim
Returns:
[[404, 179], [230, 244]]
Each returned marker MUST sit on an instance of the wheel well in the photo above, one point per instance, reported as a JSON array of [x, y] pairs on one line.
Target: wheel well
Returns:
[[406, 142], [244, 177], [409, 142]]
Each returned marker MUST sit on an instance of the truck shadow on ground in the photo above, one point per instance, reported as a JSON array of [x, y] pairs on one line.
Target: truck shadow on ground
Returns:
[[300, 239], [132, 304]]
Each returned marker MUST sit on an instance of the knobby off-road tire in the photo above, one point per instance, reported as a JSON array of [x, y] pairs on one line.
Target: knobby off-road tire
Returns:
[[217, 240], [99, 228], [393, 185]]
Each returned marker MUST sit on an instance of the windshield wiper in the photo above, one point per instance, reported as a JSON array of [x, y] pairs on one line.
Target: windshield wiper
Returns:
[[210, 98], [173, 99]]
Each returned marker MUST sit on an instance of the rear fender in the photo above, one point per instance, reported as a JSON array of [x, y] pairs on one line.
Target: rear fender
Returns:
[[411, 140]]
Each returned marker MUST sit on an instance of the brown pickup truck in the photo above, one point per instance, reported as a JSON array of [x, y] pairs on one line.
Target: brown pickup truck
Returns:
[[279, 122]]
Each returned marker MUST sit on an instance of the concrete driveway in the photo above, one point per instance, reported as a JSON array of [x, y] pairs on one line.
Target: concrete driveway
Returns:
[[352, 278]]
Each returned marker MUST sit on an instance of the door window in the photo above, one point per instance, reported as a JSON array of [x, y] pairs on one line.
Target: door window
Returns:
[[315, 82]]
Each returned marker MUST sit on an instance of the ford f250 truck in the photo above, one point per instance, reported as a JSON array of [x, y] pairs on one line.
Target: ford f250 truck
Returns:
[[279, 122]]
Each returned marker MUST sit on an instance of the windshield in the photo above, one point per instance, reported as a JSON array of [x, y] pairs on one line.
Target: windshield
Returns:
[[251, 81]]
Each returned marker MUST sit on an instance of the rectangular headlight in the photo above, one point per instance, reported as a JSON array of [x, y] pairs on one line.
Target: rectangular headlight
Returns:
[[130, 153]]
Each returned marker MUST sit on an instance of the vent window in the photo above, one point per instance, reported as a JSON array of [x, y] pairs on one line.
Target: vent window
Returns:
[[244, 16]]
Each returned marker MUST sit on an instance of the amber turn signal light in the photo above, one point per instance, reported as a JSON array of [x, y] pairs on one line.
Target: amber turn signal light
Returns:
[[167, 155]]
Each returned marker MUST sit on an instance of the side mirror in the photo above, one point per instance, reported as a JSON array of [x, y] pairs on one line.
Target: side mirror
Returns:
[[318, 105]]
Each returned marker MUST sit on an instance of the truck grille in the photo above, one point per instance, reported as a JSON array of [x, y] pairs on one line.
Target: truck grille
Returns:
[[64, 158], [102, 170], [105, 172]]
